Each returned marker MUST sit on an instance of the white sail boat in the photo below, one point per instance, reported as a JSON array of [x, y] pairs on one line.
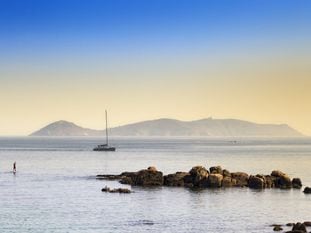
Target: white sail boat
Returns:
[[105, 147]]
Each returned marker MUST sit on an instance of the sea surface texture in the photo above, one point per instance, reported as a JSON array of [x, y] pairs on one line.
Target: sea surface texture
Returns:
[[55, 189]]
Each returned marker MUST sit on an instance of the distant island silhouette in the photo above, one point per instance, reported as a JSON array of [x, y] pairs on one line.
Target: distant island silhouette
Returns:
[[171, 127]]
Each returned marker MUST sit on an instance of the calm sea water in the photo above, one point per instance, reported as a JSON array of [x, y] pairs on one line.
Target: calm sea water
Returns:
[[54, 189]]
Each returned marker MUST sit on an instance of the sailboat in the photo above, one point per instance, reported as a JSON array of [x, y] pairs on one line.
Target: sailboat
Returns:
[[105, 147]]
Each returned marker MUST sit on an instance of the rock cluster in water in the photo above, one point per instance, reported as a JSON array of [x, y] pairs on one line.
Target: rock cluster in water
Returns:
[[200, 177], [296, 227]]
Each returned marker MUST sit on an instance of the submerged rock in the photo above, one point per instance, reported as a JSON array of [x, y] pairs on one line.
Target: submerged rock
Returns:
[[117, 190], [108, 177]]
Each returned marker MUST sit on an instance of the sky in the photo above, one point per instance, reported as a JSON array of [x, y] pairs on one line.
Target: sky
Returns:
[[149, 59]]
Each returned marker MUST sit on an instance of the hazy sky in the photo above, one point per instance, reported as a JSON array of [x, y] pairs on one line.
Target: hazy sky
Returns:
[[184, 59]]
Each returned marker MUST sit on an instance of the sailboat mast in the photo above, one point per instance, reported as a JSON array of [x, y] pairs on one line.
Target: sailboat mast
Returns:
[[106, 128]]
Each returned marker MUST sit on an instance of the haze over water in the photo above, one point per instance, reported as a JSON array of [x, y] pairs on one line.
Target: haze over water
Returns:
[[54, 189]]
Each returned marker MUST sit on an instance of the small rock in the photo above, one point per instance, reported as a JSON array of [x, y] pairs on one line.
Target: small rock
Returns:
[[307, 223], [297, 184], [307, 190], [118, 190], [290, 224], [277, 228]]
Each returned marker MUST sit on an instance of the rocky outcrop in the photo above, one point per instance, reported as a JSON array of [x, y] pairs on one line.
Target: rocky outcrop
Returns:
[[307, 190], [295, 227], [146, 177], [176, 179], [200, 177]]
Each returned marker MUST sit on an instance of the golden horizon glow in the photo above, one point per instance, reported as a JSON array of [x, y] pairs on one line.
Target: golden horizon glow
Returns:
[[256, 89]]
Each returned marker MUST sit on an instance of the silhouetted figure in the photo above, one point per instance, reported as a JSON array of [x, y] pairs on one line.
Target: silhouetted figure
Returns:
[[14, 167]]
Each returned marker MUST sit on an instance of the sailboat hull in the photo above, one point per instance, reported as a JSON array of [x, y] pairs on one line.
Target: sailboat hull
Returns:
[[104, 149]]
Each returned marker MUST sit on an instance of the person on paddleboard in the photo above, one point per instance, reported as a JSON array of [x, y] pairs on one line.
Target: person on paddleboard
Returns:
[[14, 167]]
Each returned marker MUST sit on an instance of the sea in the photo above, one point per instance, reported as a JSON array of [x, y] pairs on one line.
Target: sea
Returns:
[[55, 190]]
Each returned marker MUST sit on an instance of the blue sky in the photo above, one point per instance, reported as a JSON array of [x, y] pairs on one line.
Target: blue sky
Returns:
[[121, 26]]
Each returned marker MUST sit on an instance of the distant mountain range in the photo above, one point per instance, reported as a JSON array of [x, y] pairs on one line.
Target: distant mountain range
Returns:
[[170, 127]]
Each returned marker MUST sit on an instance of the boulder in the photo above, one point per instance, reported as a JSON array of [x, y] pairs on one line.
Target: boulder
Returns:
[[216, 170], [269, 183], [199, 176], [277, 173], [307, 190], [225, 172], [297, 184], [215, 180], [188, 181], [285, 182], [228, 182], [152, 169], [281, 180], [146, 177], [176, 179], [299, 227], [241, 178], [255, 182]]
